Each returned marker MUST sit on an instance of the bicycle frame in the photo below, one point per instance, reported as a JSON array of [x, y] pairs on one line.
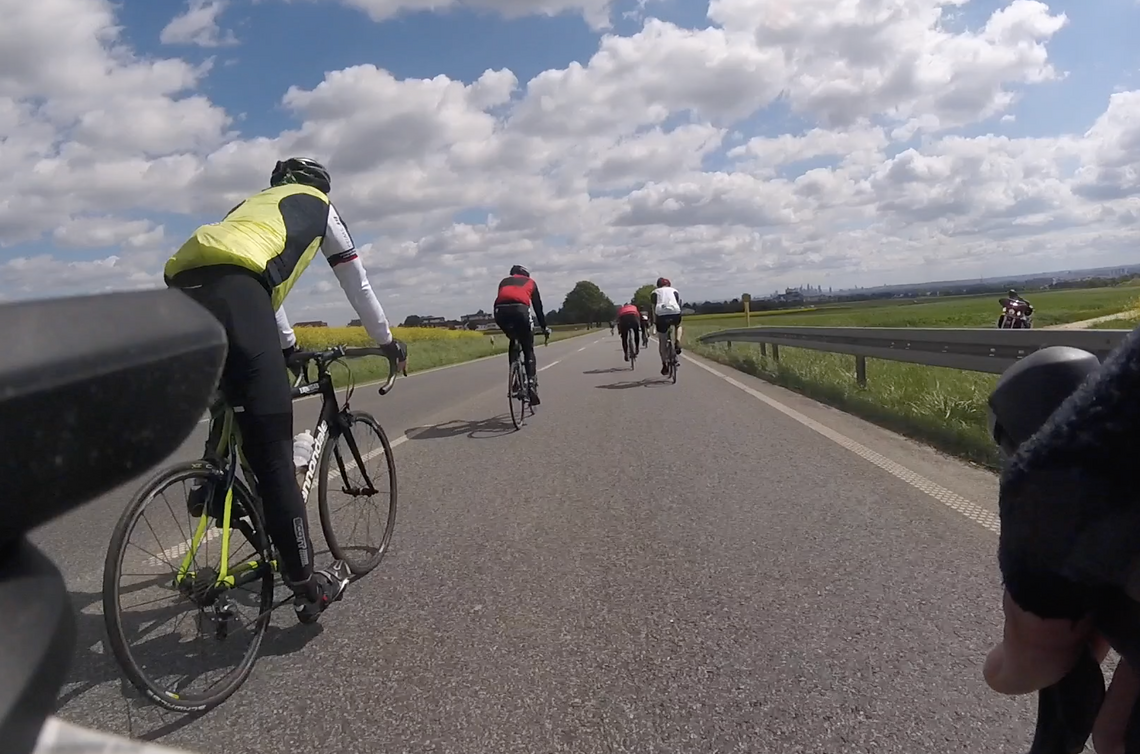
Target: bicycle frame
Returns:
[[228, 447], [332, 422]]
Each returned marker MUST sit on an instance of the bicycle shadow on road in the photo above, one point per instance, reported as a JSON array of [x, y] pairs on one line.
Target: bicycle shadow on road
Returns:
[[647, 382], [93, 666], [476, 429], [611, 370]]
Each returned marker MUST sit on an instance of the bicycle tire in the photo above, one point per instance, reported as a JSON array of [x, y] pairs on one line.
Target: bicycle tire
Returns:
[[675, 362], [358, 568], [516, 385], [112, 565]]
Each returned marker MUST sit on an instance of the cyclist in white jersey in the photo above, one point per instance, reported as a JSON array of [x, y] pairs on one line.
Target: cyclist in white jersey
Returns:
[[665, 312]]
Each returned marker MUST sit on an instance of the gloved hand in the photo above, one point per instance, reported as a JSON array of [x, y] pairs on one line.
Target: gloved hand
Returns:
[[398, 352]]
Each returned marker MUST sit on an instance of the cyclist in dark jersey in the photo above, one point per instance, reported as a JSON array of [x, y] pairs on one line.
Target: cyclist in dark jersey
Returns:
[[517, 294], [628, 324]]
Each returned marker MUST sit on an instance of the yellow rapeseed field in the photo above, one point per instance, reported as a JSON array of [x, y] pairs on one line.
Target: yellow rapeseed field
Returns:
[[316, 338]]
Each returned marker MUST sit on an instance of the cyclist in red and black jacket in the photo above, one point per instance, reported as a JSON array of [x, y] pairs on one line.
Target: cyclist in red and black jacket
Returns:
[[517, 294]]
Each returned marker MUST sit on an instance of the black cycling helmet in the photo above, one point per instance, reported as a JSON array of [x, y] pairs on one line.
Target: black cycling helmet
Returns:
[[518, 269], [1012, 293], [301, 170], [663, 282]]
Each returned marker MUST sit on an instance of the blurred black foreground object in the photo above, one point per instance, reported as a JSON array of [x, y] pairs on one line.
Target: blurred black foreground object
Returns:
[[94, 391], [1070, 515]]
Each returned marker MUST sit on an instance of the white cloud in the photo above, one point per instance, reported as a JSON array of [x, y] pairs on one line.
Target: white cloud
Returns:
[[198, 26], [656, 155]]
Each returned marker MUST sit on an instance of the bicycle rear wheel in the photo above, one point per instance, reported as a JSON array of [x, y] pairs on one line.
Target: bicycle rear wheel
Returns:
[[516, 393], [213, 612], [363, 484], [671, 350]]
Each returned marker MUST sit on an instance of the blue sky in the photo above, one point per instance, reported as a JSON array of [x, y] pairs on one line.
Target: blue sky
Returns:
[[684, 199]]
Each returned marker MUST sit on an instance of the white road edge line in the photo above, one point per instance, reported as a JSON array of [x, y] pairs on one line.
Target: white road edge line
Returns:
[[548, 366], [952, 500], [178, 550]]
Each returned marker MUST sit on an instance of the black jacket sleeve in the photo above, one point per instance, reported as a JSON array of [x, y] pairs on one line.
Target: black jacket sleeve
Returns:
[[1070, 497]]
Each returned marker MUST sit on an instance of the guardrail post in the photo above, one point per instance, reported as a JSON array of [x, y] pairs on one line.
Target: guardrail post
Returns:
[[861, 370], [776, 351], [764, 350]]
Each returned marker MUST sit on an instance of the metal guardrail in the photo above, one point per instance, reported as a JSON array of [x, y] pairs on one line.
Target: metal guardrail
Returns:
[[973, 349]]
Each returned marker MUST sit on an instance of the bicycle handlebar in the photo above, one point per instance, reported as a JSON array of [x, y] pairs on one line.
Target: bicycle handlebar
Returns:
[[301, 359]]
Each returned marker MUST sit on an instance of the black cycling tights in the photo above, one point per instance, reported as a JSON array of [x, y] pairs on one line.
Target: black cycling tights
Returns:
[[255, 379], [514, 321], [630, 332]]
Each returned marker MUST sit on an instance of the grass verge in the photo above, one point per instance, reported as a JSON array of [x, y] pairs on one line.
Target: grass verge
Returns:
[[945, 408]]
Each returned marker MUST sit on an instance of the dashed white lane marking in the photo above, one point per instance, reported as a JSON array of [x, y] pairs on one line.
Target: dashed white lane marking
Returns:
[[548, 366], [179, 550], [952, 500]]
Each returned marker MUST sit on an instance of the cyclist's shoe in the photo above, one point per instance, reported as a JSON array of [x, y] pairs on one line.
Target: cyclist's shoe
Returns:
[[326, 586], [678, 349], [533, 389], [664, 370], [627, 355]]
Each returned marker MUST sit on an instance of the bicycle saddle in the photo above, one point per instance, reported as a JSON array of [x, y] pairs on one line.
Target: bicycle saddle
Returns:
[[1069, 429]]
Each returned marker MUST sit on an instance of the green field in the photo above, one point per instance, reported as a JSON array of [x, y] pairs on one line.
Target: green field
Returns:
[[944, 407], [1051, 308], [424, 354]]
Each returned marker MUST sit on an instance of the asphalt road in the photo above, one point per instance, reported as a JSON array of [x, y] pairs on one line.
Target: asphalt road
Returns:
[[645, 567]]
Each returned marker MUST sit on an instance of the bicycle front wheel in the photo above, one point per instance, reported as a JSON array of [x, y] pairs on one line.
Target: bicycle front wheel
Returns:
[[161, 667], [361, 470], [517, 394]]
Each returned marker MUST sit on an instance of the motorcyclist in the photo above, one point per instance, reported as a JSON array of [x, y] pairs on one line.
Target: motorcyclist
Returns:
[[1013, 301]]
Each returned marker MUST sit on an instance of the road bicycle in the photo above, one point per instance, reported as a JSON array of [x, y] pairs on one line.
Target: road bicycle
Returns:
[[233, 505], [517, 383], [667, 347], [633, 345]]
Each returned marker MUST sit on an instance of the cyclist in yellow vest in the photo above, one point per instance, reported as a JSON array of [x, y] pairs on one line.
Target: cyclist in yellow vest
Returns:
[[241, 270]]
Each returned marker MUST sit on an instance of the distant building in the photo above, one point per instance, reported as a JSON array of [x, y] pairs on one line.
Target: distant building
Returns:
[[311, 323], [354, 323], [480, 320], [790, 296], [433, 322]]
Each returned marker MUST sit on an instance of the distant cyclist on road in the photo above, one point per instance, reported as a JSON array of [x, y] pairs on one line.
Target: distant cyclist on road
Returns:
[[611, 328], [241, 269], [644, 330], [629, 324], [517, 294], [666, 313]]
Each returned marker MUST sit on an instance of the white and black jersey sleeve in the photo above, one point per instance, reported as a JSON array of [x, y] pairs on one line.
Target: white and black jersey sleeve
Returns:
[[284, 330], [340, 251]]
